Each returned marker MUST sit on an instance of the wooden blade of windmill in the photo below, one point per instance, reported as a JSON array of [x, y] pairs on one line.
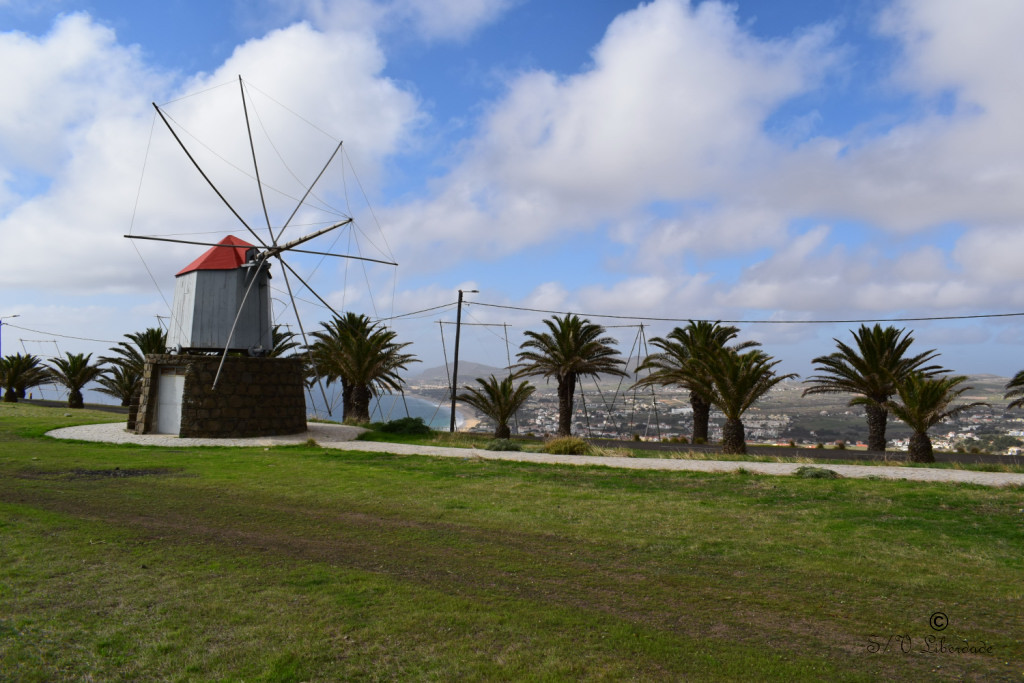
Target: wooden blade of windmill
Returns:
[[241, 307], [308, 191], [319, 380], [256, 166], [278, 248], [307, 286], [206, 177], [233, 246]]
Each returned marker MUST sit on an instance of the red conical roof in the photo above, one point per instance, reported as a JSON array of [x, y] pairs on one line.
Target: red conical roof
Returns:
[[220, 258]]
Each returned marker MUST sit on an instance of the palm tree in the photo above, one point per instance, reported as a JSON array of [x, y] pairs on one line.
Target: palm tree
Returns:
[[129, 362], [123, 382], [678, 359], [571, 348], [925, 401], [284, 341], [74, 372], [732, 382], [20, 373], [872, 370], [498, 400], [1015, 390], [152, 340], [363, 356]]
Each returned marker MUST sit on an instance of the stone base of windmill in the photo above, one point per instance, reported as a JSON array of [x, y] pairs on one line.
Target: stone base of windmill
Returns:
[[253, 397]]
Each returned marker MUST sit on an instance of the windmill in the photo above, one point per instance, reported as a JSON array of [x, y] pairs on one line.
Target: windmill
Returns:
[[222, 304]]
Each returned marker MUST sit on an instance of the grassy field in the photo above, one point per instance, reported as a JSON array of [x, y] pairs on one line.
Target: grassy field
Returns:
[[300, 563]]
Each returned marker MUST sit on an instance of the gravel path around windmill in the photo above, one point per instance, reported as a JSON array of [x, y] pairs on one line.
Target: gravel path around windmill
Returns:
[[342, 437]]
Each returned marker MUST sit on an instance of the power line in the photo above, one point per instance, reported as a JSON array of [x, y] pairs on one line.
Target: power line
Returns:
[[752, 321], [424, 310], [65, 336]]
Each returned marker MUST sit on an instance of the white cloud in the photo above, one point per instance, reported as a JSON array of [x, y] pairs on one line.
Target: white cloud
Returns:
[[68, 234], [450, 19], [63, 81], [672, 108], [973, 48], [718, 230], [961, 159], [430, 19], [992, 255]]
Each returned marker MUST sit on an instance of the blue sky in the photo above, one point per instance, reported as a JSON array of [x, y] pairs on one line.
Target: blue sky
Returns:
[[754, 160]]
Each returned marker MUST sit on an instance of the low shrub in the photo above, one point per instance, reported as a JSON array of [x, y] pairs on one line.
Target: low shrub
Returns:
[[405, 425], [502, 445], [808, 472], [567, 445], [840, 445]]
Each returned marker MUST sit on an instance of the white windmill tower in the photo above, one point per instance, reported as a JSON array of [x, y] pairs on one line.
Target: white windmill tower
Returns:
[[210, 293], [222, 304]]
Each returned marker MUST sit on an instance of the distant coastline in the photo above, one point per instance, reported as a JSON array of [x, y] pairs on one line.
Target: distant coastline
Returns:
[[393, 406]]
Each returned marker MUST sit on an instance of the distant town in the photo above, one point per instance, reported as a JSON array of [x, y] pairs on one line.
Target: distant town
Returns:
[[609, 409]]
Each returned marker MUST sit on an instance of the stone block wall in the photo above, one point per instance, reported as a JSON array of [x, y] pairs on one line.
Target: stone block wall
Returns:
[[254, 396]]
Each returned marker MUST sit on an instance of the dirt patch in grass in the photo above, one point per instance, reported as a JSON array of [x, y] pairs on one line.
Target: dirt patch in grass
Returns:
[[101, 474]]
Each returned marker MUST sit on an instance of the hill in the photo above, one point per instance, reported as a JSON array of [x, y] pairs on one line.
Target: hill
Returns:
[[468, 371]]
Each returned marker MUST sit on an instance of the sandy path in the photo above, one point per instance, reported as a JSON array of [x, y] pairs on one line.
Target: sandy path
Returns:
[[343, 437]]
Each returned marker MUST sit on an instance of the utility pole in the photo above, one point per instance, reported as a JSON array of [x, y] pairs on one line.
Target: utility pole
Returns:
[[2, 329], [455, 365]]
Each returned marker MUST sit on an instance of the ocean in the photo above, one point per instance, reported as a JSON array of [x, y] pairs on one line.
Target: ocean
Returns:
[[389, 407], [393, 407]]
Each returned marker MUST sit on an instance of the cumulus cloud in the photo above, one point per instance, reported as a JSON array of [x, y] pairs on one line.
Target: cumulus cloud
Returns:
[[92, 96], [672, 106], [961, 159]]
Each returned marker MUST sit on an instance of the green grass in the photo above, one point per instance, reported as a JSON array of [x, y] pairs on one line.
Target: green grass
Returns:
[[302, 563]]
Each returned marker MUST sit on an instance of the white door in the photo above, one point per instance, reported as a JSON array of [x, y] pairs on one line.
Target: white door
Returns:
[[169, 390]]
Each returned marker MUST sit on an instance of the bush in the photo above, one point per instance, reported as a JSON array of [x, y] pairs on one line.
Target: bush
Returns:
[[820, 445], [502, 445], [405, 425], [840, 445], [567, 445], [808, 472]]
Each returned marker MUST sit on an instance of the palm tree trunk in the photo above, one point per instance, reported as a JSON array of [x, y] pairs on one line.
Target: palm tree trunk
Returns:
[[503, 431], [566, 391], [10, 396], [921, 448], [701, 417], [75, 399], [347, 406], [360, 405], [877, 418], [734, 440]]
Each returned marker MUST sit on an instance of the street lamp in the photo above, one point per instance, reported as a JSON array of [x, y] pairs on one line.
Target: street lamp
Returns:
[[2, 329], [455, 365]]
